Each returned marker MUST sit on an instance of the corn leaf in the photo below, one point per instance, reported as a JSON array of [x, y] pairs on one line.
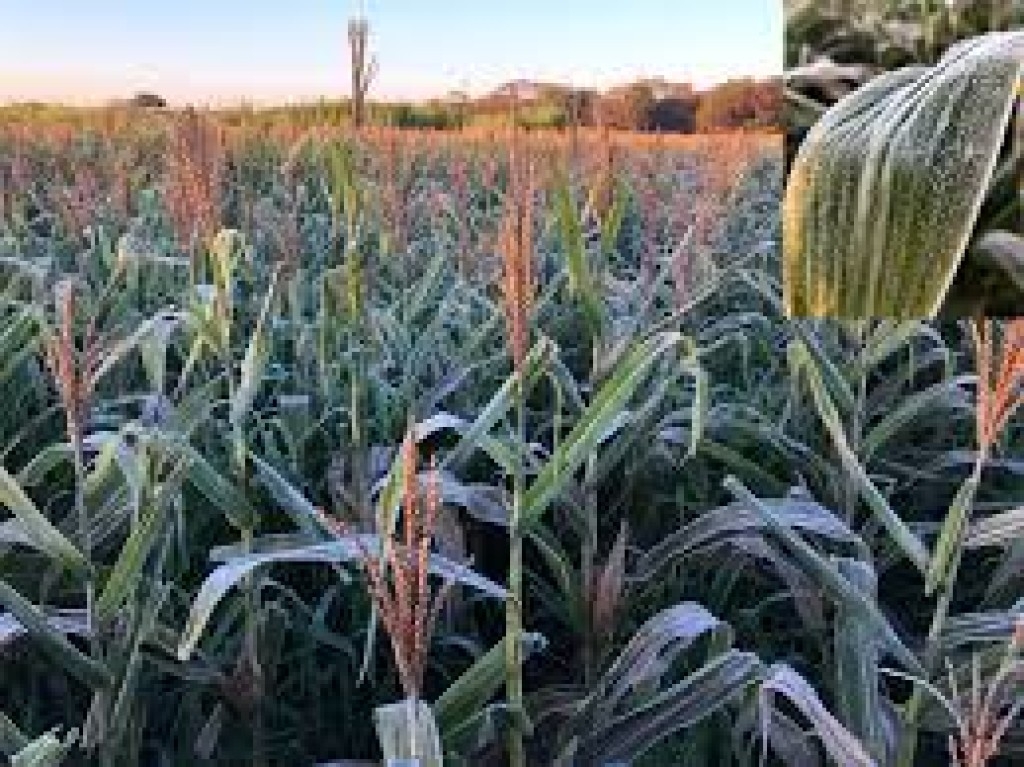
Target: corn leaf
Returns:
[[12, 739], [828, 577], [950, 543], [908, 543], [476, 686], [51, 641], [594, 424], [844, 749], [885, 190], [256, 357], [691, 700], [37, 528], [45, 751], [346, 549]]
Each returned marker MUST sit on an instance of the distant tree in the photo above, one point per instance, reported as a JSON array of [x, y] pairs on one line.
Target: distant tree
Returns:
[[459, 105], [675, 113], [146, 100], [628, 108], [579, 106], [740, 104]]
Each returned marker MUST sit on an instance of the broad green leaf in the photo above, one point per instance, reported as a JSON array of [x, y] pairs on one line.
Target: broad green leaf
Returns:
[[706, 691], [143, 628], [159, 327], [345, 549], [649, 655], [593, 425], [885, 190], [983, 628], [911, 409], [856, 660], [844, 749], [1002, 529], [67, 622], [51, 641], [37, 528], [908, 543], [828, 577], [582, 286], [125, 575], [950, 542], [256, 357], [737, 521], [832, 378], [216, 488], [500, 403], [612, 223], [45, 751], [303, 513], [477, 685], [12, 739], [43, 462]]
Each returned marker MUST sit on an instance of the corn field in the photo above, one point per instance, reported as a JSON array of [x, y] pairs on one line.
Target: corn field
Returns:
[[479, 449]]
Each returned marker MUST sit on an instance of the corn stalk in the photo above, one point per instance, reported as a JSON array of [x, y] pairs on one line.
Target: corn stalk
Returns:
[[363, 69]]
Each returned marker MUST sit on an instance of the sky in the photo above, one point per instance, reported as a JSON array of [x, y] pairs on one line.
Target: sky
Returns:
[[223, 51]]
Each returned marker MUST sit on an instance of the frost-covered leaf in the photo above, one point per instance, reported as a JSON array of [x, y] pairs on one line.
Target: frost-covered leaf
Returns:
[[885, 191]]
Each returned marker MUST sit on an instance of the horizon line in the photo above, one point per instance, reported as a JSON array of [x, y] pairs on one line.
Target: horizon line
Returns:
[[269, 100]]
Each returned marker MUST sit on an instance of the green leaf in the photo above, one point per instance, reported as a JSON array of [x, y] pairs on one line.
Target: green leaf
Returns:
[[127, 570], [303, 513], [37, 528], [464, 698], [256, 358], [948, 547], [159, 327], [828, 577], [986, 628], [908, 543], [500, 403], [216, 489], [856, 659], [51, 641], [1002, 529], [704, 692], [45, 751], [844, 749], [581, 280], [885, 190], [912, 409], [345, 549], [12, 739], [612, 223], [737, 521], [593, 426]]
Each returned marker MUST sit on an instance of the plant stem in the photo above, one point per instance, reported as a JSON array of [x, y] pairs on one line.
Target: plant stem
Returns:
[[912, 712], [588, 548], [252, 606], [105, 752], [412, 704], [360, 460], [514, 603]]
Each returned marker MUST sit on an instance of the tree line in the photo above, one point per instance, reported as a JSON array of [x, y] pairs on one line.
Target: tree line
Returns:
[[744, 104]]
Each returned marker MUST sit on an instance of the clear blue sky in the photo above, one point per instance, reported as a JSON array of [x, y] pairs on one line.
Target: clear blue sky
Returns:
[[218, 50]]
